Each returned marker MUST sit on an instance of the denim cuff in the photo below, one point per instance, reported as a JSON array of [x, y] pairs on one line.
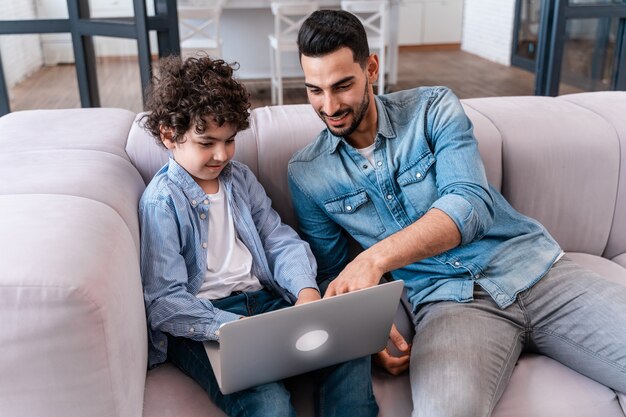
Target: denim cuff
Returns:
[[221, 317], [300, 284], [462, 213]]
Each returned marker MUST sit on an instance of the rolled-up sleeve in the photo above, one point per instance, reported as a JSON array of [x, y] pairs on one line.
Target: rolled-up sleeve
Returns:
[[461, 180]]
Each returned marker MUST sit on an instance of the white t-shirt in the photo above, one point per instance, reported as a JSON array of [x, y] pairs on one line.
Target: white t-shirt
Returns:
[[368, 153], [229, 262]]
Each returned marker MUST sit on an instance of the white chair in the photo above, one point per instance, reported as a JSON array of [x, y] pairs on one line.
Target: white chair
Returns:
[[199, 27], [373, 15], [288, 17]]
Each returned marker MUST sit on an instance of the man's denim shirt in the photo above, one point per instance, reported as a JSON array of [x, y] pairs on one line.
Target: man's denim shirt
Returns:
[[174, 217], [425, 157]]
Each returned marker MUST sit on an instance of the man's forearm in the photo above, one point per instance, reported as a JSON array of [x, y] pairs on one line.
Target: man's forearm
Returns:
[[435, 232], [432, 234]]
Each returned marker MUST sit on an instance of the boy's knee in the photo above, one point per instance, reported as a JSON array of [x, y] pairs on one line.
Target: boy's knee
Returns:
[[271, 399], [348, 386]]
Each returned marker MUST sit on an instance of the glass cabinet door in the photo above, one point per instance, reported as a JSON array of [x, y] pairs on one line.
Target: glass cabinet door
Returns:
[[527, 25], [587, 52]]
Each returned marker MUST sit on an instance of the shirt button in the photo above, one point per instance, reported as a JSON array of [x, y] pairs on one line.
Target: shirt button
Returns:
[[204, 245], [349, 208], [457, 263], [161, 343], [191, 329], [418, 175], [206, 202], [364, 166], [203, 216], [194, 202], [389, 196], [379, 163]]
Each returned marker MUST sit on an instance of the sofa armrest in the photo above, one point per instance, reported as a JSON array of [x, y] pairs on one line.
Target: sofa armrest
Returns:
[[74, 331], [73, 321]]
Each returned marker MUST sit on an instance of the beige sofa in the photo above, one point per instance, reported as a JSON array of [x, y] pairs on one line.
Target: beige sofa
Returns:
[[73, 330]]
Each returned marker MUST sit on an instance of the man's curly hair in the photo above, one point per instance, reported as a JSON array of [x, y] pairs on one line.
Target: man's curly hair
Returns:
[[186, 92]]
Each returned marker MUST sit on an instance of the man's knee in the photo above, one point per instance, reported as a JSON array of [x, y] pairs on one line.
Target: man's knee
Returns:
[[469, 404]]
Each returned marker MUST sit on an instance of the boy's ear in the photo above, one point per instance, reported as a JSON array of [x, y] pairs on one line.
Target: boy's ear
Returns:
[[167, 135]]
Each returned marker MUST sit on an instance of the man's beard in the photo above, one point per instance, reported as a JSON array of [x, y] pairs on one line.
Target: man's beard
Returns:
[[358, 116]]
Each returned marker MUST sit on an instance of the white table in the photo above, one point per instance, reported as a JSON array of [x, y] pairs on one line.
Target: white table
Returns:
[[246, 24]]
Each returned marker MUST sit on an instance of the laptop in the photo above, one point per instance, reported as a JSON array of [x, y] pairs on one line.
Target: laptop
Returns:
[[279, 344]]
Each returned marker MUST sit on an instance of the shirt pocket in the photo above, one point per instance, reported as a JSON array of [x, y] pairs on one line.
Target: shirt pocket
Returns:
[[356, 213], [418, 182]]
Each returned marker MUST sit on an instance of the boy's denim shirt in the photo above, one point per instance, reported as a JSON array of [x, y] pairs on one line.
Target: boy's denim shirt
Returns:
[[174, 217], [425, 157]]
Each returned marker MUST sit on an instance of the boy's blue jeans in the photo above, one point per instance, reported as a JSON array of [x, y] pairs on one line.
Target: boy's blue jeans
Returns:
[[341, 390]]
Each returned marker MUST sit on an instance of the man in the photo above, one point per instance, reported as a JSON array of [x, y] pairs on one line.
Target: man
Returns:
[[401, 174]]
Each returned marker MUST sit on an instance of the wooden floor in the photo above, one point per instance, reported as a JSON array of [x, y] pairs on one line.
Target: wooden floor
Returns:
[[119, 85]]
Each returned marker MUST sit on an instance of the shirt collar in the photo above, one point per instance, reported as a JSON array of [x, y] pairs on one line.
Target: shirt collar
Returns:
[[188, 185], [385, 129]]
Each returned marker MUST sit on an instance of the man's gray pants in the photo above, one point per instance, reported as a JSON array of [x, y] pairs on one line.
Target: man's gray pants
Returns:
[[463, 354]]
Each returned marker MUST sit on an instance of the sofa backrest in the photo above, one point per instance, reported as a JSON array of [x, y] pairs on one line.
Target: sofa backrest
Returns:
[[557, 160], [561, 164]]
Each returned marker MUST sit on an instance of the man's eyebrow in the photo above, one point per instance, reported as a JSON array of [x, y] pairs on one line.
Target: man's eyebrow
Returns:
[[342, 81]]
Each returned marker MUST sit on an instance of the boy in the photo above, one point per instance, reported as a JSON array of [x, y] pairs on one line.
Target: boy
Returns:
[[213, 249]]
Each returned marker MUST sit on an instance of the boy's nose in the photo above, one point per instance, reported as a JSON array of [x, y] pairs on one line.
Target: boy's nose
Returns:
[[220, 153]]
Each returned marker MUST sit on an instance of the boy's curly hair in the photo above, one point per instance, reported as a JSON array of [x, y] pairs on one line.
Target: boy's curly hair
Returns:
[[186, 92]]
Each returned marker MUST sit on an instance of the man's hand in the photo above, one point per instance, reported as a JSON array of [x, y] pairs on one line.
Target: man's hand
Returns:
[[434, 233], [307, 295], [358, 274], [395, 365]]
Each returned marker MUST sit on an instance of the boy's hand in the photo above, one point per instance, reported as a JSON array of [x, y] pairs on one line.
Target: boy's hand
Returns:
[[306, 295]]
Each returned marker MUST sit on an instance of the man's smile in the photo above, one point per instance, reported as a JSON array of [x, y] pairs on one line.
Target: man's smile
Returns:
[[337, 119]]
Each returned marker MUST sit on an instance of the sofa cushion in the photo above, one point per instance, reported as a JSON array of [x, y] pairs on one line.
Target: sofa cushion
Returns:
[[489, 144], [275, 133], [611, 106], [550, 154], [608, 269], [98, 129], [542, 387], [171, 393], [100, 176], [280, 131], [148, 156], [539, 387]]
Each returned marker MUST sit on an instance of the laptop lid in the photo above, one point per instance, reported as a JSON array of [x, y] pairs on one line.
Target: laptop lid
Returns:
[[279, 344]]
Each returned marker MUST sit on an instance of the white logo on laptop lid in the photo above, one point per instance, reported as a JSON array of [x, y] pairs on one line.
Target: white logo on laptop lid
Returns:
[[311, 340]]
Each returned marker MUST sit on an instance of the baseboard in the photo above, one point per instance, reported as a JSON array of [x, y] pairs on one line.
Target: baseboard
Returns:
[[430, 48]]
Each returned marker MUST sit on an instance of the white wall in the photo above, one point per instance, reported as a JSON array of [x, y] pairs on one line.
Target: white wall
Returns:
[[21, 54], [488, 29]]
